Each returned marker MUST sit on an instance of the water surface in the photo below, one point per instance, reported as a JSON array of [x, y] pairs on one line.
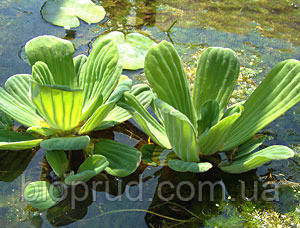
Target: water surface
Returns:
[[261, 32]]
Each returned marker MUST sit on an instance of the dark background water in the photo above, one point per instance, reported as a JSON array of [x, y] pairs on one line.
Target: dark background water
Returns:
[[261, 32]]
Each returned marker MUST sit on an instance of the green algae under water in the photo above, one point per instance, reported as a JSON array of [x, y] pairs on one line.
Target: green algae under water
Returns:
[[261, 32]]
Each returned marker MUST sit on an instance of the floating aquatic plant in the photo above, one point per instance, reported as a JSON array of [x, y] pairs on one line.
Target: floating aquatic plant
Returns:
[[200, 125], [133, 48], [62, 101], [66, 13]]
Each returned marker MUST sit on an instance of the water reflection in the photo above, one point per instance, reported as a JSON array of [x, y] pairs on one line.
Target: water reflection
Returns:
[[71, 210], [176, 198], [13, 163], [127, 15]]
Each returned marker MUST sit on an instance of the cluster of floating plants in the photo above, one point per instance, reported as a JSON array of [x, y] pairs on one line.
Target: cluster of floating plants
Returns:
[[66, 98]]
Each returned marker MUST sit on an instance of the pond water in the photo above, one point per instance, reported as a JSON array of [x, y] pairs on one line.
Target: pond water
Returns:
[[261, 32]]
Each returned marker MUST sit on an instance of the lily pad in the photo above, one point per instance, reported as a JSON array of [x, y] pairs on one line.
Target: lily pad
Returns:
[[41, 194], [133, 48], [194, 167], [65, 13]]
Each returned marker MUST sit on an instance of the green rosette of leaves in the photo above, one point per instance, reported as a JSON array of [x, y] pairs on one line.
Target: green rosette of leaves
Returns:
[[62, 101], [200, 124]]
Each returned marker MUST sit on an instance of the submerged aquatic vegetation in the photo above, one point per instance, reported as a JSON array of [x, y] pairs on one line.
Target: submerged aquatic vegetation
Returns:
[[65, 99], [200, 125]]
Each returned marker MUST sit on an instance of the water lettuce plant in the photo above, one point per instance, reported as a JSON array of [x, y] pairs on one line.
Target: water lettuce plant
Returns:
[[198, 125], [62, 101]]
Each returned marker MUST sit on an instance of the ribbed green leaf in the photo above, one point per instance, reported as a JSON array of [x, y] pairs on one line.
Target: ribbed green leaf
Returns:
[[58, 161], [101, 72], [19, 86], [150, 154], [16, 110], [41, 195], [236, 108], [6, 122], [91, 167], [133, 48], [92, 106], [60, 107], [41, 131], [57, 54], [11, 140], [180, 131], [42, 74], [257, 159], [278, 92], [250, 145], [101, 113], [96, 119], [212, 141], [123, 159], [79, 62], [66, 143], [144, 119], [216, 76], [194, 167], [209, 116], [123, 86], [118, 115], [165, 73], [155, 155]]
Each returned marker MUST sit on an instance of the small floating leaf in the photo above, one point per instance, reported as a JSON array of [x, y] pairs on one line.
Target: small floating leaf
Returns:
[[58, 161], [194, 167], [41, 194], [91, 167], [257, 159], [65, 13], [123, 159], [132, 48], [66, 143]]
